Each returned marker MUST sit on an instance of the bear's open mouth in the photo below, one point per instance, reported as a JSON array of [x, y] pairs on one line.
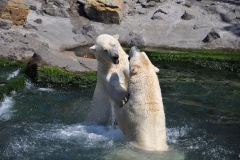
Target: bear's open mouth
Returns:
[[116, 61]]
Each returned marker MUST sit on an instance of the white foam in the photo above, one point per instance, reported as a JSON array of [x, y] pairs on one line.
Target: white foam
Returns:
[[5, 108], [90, 136], [46, 89], [14, 74]]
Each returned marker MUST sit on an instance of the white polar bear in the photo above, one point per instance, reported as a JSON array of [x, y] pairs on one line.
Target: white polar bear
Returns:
[[112, 79], [142, 118]]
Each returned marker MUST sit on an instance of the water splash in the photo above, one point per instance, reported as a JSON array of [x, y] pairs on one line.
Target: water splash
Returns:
[[5, 108], [14, 74]]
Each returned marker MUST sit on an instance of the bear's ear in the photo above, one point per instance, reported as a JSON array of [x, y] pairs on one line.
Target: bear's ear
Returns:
[[156, 69], [93, 48], [134, 69], [116, 36]]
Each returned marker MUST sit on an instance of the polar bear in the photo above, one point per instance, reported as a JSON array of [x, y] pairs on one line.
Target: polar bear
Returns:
[[112, 79], [142, 118]]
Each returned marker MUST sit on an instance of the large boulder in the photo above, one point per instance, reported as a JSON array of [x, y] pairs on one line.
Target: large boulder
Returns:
[[106, 11], [15, 11]]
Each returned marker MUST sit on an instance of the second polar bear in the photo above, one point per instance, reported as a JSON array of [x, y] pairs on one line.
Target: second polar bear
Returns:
[[112, 79], [142, 118]]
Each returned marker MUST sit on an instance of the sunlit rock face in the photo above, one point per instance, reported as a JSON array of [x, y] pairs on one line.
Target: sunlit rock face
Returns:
[[106, 11], [15, 11]]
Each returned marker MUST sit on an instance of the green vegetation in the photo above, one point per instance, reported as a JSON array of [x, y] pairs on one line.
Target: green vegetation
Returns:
[[225, 59], [16, 83], [7, 63], [13, 84], [57, 76]]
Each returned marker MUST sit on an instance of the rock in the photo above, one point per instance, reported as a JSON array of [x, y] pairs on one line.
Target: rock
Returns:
[[187, 16], [132, 12], [56, 12], [29, 26], [237, 12], [137, 40], [6, 38], [15, 12], [158, 1], [156, 16], [188, 4], [180, 1], [38, 21], [161, 11], [77, 31], [59, 3], [106, 11], [5, 24], [3, 4], [149, 4], [212, 35], [80, 38], [31, 7], [228, 17], [141, 1], [88, 30], [66, 60]]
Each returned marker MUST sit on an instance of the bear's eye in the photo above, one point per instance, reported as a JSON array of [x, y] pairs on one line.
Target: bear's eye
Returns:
[[105, 50], [129, 58]]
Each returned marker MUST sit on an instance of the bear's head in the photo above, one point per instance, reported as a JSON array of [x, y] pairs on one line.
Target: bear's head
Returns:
[[139, 63], [106, 48]]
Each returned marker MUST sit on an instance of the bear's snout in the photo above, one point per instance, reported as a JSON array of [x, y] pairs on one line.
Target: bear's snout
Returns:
[[115, 59]]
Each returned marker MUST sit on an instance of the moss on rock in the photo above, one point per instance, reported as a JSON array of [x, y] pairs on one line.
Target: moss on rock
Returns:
[[56, 76], [219, 59], [16, 83]]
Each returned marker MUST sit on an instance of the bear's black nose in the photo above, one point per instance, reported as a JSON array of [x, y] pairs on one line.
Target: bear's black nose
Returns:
[[115, 57]]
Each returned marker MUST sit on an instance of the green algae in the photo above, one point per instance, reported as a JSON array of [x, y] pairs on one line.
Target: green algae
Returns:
[[56, 76], [218, 59], [16, 83]]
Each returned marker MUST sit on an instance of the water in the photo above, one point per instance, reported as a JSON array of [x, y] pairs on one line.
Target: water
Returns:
[[202, 117]]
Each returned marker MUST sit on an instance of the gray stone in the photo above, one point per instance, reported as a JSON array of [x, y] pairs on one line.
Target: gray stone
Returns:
[[187, 16], [60, 12], [38, 21], [5, 24], [6, 38], [156, 16], [3, 4], [88, 30], [228, 17], [212, 35], [137, 40], [80, 38], [29, 26], [77, 31], [66, 60], [188, 4], [132, 12], [31, 7], [149, 4], [237, 12]]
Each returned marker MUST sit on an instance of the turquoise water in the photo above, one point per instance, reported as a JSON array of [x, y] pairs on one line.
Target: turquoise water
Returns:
[[202, 110]]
